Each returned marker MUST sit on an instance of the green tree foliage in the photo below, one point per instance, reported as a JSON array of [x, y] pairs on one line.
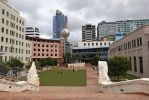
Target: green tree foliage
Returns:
[[118, 66], [95, 60], [3, 68], [15, 63]]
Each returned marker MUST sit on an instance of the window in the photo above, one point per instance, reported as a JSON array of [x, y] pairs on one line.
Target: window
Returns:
[[6, 40], [84, 44], [34, 49], [47, 50], [42, 54], [55, 54], [141, 64], [88, 44], [34, 54], [47, 46], [7, 31], [2, 39], [7, 14], [135, 64], [47, 54], [42, 45], [38, 54], [3, 21], [2, 30], [3, 11], [92, 44]]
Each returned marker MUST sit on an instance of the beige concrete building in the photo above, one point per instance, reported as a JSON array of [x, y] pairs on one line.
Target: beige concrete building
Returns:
[[13, 43], [134, 46]]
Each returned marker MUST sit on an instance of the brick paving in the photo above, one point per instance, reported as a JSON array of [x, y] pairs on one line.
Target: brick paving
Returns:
[[90, 92]]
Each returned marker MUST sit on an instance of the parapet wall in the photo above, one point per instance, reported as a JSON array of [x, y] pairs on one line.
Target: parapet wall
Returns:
[[132, 86], [16, 87]]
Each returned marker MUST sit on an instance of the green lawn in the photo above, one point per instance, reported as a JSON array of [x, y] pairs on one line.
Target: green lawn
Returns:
[[122, 78], [67, 78]]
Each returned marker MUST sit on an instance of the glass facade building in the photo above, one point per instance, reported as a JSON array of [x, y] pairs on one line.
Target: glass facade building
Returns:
[[127, 26], [60, 21]]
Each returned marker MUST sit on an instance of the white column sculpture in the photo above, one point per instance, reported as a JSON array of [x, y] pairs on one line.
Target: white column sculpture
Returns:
[[32, 76], [103, 72]]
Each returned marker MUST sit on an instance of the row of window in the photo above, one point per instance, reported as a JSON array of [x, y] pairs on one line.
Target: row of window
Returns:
[[44, 54], [128, 45], [12, 17], [12, 33], [7, 58], [41, 45], [13, 25], [93, 44], [45, 50], [135, 65], [13, 50], [13, 41]]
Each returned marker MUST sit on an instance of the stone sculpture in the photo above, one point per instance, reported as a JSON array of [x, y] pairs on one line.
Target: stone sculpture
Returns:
[[32, 76]]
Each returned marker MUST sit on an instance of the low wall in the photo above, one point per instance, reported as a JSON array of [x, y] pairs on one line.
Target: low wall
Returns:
[[131, 86], [77, 65], [15, 87]]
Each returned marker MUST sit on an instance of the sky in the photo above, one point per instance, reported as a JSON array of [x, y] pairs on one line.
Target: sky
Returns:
[[39, 13]]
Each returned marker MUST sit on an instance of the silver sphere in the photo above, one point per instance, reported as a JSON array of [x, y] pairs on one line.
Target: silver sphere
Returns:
[[65, 33]]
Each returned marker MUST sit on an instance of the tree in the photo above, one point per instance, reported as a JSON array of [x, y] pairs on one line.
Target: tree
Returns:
[[4, 68], [118, 66], [15, 63], [95, 60], [37, 63]]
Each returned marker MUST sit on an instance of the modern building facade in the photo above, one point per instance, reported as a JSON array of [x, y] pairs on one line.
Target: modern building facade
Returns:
[[89, 32], [46, 48], [134, 46], [13, 43], [60, 21], [32, 31], [90, 49], [106, 28], [126, 26]]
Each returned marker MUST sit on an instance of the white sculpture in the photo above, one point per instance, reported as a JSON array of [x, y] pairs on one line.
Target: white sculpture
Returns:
[[32, 76], [103, 72]]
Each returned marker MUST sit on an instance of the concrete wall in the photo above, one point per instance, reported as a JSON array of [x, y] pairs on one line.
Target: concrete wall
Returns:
[[132, 86], [77, 65], [15, 87]]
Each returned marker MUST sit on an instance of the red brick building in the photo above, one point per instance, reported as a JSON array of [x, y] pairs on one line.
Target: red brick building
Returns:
[[44, 48]]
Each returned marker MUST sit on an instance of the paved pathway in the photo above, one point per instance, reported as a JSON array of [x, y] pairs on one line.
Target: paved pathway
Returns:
[[90, 92]]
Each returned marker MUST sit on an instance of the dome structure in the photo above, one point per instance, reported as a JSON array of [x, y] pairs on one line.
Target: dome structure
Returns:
[[65, 33]]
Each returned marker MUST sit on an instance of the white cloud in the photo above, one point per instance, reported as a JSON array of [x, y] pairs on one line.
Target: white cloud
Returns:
[[40, 12]]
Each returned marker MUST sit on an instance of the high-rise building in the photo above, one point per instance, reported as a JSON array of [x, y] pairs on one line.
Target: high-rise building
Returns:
[[88, 32], [32, 31], [60, 21], [13, 43], [127, 26], [105, 28]]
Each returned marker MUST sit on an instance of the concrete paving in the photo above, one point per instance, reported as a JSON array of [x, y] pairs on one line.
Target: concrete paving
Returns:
[[90, 92]]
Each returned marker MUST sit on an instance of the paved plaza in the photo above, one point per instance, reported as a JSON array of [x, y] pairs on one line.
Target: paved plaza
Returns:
[[90, 92]]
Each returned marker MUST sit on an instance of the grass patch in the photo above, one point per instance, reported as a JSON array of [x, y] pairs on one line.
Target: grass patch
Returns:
[[123, 78], [53, 77]]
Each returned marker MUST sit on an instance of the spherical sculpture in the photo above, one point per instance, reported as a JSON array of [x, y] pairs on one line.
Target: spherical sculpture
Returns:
[[65, 33]]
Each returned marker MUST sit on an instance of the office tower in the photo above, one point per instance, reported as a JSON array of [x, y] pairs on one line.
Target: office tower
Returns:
[[13, 43], [88, 32], [60, 21], [127, 26], [105, 28], [32, 31]]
